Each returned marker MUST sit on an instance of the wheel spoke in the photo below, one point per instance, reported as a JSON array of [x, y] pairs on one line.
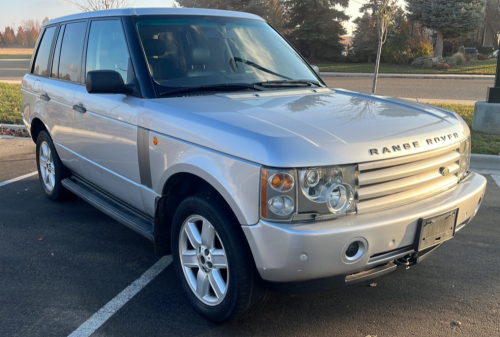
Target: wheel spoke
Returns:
[[207, 235], [189, 259], [219, 259], [217, 283], [193, 234], [52, 180], [202, 284]]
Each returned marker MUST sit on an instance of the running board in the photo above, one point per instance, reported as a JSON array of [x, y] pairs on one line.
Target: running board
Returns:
[[114, 209]]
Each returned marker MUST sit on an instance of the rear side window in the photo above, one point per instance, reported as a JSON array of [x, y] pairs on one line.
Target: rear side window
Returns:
[[42, 57], [70, 62], [107, 48]]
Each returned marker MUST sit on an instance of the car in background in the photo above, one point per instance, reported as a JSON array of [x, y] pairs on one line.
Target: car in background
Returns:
[[494, 54], [471, 51]]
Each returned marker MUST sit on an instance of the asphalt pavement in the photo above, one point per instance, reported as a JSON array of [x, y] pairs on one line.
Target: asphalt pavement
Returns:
[[13, 70], [60, 263]]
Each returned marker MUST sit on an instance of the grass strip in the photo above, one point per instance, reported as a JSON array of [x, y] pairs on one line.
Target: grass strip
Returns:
[[487, 67], [10, 104]]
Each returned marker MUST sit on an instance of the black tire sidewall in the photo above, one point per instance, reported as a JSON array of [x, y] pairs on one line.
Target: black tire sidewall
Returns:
[[209, 208], [58, 192]]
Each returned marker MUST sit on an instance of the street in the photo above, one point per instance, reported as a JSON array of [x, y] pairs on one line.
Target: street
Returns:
[[60, 263], [449, 89]]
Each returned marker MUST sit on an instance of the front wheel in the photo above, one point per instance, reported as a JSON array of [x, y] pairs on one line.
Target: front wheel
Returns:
[[213, 260]]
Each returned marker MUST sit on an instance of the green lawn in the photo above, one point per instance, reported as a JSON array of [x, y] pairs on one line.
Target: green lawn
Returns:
[[487, 67], [481, 143], [10, 113], [10, 104]]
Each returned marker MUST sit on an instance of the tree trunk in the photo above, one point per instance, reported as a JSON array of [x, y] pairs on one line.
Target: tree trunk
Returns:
[[377, 64], [439, 45]]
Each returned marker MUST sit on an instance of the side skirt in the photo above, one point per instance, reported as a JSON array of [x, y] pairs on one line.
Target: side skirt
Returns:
[[118, 211]]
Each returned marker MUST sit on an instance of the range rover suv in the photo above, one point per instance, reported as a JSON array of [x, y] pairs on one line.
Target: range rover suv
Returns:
[[208, 134]]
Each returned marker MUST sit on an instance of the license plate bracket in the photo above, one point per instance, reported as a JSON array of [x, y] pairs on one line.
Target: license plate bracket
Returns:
[[435, 230]]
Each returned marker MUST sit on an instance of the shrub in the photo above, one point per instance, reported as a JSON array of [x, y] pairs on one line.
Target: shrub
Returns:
[[482, 57], [456, 60], [442, 66]]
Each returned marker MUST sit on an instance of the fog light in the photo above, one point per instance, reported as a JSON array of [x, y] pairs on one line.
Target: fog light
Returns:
[[352, 250]]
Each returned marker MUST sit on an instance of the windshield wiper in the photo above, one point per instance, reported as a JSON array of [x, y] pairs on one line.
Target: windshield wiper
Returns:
[[255, 65], [211, 87], [289, 83]]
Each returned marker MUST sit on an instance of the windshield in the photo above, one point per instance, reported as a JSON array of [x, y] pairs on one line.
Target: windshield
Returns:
[[195, 51]]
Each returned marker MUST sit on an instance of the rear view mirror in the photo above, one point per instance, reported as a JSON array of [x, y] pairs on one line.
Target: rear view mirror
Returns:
[[106, 82], [316, 69]]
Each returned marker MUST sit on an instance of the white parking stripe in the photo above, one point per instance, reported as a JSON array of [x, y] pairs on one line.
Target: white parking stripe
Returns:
[[497, 179], [18, 178], [105, 313]]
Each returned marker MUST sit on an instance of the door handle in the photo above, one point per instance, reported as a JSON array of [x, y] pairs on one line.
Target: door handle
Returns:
[[79, 108], [45, 97]]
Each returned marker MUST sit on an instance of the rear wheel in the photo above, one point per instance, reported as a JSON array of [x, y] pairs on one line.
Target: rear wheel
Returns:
[[214, 262], [51, 171]]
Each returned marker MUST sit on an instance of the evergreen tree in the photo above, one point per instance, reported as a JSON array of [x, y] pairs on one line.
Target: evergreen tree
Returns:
[[448, 18], [317, 26], [21, 37], [235, 5], [8, 36], [365, 40]]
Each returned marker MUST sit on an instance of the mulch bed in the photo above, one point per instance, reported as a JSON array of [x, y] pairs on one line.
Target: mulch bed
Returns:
[[14, 133]]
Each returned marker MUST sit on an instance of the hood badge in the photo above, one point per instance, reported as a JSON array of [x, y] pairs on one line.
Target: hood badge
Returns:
[[444, 171], [413, 145]]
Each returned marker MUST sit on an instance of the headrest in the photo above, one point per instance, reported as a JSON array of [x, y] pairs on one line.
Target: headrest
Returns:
[[200, 55], [153, 47]]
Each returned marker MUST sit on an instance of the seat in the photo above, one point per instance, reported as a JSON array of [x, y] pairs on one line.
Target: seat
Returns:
[[162, 67], [199, 58]]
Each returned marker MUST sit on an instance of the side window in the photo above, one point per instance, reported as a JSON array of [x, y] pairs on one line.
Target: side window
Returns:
[[42, 57], [70, 62], [57, 53], [107, 49]]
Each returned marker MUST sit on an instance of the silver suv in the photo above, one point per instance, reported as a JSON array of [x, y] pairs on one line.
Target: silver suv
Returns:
[[207, 133]]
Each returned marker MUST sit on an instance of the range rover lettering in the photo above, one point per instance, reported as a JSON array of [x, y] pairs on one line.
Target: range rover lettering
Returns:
[[208, 134]]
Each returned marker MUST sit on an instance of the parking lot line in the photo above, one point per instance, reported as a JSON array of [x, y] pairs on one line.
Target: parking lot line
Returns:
[[497, 179], [105, 313], [18, 178]]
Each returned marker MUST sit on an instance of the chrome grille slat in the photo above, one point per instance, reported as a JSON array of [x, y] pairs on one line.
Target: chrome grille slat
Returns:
[[406, 170], [404, 184], [393, 182]]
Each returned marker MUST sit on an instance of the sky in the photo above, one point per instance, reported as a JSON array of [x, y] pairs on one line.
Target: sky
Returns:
[[39, 9]]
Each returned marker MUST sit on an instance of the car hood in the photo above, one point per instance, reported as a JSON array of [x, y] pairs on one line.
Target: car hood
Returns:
[[300, 128]]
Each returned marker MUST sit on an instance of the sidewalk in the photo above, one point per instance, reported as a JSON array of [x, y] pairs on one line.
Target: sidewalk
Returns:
[[416, 76]]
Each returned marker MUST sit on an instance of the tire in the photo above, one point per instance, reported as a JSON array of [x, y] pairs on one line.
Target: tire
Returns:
[[215, 252], [51, 171]]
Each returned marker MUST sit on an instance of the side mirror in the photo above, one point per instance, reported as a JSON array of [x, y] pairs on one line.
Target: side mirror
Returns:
[[106, 82], [316, 69]]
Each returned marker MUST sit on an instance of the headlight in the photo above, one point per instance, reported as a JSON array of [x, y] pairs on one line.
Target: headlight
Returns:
[[465, 155], [308, 193], [328, 190]]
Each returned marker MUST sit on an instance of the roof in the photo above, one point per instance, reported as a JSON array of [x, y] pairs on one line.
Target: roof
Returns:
[[154, 11]]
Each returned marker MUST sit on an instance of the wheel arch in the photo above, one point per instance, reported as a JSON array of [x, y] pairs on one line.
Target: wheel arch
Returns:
[[37, 126], [183, 181]]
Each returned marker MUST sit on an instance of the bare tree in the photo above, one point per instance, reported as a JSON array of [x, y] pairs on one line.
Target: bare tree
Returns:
[[384, 11], [95, 5]]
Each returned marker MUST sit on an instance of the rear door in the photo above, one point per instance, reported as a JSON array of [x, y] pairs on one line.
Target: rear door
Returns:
[[106, 132], [34, 100]]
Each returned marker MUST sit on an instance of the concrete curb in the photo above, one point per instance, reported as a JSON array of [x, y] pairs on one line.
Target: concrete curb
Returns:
[[12, 127], [485, 164], [416, 76]]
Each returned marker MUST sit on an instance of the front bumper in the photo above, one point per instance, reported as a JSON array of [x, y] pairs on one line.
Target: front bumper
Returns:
[[291, 252]]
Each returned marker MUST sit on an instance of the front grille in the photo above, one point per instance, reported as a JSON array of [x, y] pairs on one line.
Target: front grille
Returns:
[[389, 183]]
